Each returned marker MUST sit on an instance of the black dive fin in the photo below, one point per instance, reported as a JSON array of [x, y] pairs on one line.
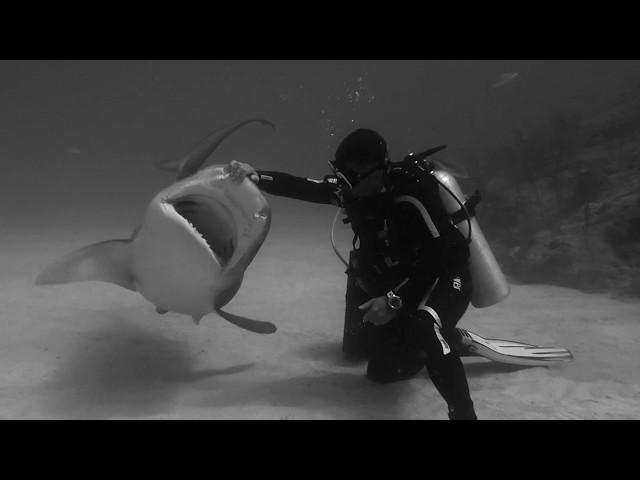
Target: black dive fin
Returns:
[[105, 262], [255, 326]]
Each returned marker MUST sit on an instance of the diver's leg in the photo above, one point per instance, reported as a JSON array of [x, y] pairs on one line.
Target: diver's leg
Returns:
[[392, 354], [436, 333], [449, 378], [356, 337]]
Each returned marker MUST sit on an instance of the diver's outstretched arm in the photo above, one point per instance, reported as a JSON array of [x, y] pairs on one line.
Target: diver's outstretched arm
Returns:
[[326, 191], [323, 191]]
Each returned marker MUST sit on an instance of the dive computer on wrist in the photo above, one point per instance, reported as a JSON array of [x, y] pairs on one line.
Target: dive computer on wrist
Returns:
[[393, 301]]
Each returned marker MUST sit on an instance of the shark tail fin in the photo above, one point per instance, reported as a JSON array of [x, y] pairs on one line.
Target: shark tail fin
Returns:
[[105, 262]]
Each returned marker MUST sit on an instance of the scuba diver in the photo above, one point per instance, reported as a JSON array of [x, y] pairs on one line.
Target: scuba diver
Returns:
[[408, 281]]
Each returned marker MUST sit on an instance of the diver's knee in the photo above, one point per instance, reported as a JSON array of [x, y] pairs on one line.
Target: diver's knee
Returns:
[[390, 370]]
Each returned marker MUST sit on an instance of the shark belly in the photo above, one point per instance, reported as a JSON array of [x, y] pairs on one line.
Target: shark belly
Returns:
[[174, 273]]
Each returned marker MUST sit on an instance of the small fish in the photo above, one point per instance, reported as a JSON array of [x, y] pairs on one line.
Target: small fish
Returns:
[[503, 79]]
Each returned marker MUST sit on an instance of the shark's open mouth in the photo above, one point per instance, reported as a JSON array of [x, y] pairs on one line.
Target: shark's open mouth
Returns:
[[212, 221]]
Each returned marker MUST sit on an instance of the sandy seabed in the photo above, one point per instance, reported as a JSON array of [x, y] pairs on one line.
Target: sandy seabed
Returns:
[[97, 351]]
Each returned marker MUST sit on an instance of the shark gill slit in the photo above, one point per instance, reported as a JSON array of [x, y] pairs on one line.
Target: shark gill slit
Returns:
[[212, 221]]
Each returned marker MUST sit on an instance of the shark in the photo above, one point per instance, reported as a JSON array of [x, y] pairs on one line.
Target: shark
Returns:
[[191, 250]]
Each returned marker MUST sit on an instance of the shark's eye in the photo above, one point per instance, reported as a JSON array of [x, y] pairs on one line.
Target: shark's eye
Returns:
[[212, 221]]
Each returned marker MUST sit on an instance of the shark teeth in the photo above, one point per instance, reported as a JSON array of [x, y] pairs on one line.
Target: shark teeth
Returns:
[[191, 227], [197, 233], [199, 212]]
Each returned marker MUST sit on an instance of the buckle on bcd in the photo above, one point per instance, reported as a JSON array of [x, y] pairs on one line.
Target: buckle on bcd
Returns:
[[470, 206]]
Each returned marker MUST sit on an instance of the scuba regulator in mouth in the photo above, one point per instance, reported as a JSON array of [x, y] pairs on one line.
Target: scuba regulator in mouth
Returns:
[[343, 181]]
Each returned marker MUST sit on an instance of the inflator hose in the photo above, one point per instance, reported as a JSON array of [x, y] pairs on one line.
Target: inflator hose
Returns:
[[462, 206]]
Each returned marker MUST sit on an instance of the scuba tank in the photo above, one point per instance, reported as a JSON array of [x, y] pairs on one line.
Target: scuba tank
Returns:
[[489, 284]]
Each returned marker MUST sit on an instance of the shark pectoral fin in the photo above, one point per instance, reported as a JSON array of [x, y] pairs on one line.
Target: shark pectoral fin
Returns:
[[196, 319], [255, 326], [105, 262], [161, 311]]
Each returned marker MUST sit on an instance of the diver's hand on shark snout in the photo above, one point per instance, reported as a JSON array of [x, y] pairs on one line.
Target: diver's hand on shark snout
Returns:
[[238, 170]]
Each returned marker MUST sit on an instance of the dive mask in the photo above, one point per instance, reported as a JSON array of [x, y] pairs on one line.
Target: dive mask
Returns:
[[350, 177]]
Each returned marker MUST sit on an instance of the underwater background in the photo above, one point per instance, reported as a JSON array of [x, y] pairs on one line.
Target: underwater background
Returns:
[[553, 146]]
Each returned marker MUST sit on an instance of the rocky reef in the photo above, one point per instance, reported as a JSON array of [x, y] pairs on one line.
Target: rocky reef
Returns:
[[561, 201]]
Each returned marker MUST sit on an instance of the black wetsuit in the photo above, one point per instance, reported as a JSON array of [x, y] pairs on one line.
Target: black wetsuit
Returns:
[[408, 244]]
